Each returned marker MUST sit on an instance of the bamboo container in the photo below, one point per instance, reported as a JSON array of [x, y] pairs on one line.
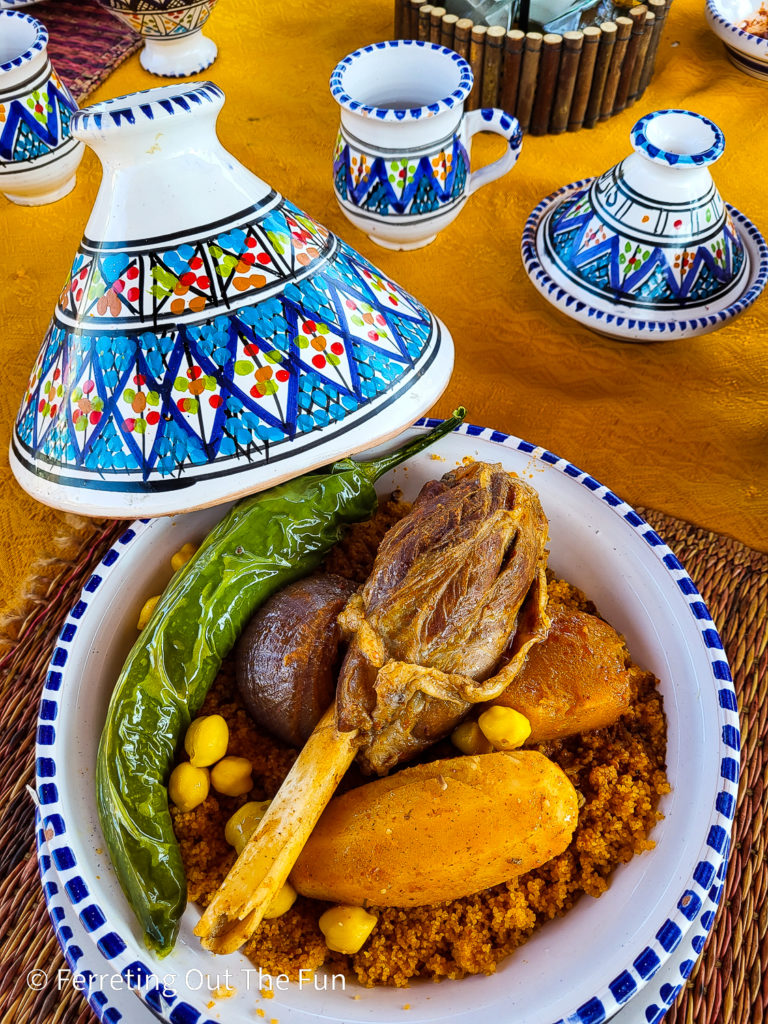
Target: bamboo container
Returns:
[[447, 29], [623, 30], [461, 37], [510, 73], [435, 24], [605, 51], [494, 50], [476, 58], [545, 88], [659, 8], [528, 74], [413, 18], [399, 19], [570, 58], [425, 22], [584, 79], [637, 16], [642, 53]]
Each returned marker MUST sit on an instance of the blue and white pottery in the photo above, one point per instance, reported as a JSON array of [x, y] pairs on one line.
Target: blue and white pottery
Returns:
[[581, 968], [649, 250], [38, 156], [748, 52], [401, 161], [211, 339], [174, 43]]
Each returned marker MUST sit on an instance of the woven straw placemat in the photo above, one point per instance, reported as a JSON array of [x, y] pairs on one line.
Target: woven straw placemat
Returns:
[[728, 986], [85, 42]]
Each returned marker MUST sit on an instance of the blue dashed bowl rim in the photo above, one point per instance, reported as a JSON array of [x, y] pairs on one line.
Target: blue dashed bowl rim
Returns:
[[705, 884], [389, 114], [37, 47], [642, 144], [735, 37], [623, 325]]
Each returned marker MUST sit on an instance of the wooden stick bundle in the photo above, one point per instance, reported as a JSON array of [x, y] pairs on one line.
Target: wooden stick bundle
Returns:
[[476, 58], [592, 36], [637, 16], [510, 75], [566, 81], [545, 87], [494, 49]]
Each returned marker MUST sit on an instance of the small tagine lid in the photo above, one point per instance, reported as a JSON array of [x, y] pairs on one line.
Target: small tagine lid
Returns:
[[652, 235], [212, 339]]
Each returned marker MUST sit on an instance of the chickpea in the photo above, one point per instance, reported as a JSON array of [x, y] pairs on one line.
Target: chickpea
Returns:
[[232, 776], [146, 611], [282, 902], [346, 929], [206, 740], [506, 728], [469, 739], [244, 823], [188, 786], [183, 555]]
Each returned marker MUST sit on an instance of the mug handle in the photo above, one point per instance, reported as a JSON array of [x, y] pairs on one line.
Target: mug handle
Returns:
[[491, 119]]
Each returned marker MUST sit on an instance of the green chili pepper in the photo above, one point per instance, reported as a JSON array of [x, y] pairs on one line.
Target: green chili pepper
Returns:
[[263, 543]]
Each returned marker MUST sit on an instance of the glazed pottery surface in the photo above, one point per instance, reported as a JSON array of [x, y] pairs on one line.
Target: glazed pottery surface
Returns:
[[580, 968], [174, 45], [748, 52], [401, 163], [212, 339], [650, 242], [38, 155]]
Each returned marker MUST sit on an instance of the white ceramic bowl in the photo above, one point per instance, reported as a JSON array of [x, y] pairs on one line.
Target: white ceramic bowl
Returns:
[[748, 52], [578, 969]]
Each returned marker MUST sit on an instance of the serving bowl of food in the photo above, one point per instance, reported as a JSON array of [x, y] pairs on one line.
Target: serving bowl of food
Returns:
[[743, 27], [646, 800]]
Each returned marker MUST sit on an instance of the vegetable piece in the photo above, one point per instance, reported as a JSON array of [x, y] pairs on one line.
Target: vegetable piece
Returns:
[[244, 822], [282, 903], [183, 555], [232, 776], [206, 740], [146, 611], [287, 660], [469, 739], [263, 543], [439, 831], [575, 681], [506, 728], [188, 786], [346, 929]]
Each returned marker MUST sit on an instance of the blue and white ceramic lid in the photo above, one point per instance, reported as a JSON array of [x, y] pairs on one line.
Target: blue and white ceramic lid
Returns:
[[211, 339]]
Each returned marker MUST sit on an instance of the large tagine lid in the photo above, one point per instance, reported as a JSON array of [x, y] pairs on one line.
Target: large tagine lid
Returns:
[[212, 339]]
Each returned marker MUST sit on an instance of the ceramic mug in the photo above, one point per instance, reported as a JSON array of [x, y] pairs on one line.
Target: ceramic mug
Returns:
[[401, 163], [38, 156]]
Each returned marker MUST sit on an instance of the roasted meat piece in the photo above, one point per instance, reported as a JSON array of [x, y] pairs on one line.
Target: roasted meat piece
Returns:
[[455, 583]]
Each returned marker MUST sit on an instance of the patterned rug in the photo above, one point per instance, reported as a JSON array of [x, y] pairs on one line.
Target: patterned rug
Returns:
[[86, 42]]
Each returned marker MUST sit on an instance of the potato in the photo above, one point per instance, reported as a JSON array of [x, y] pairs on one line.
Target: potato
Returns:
[[438, 831], [574, 681]]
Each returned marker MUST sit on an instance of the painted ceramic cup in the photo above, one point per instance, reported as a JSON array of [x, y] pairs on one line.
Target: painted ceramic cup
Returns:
[[651, 235], [38, 156], [174, 45], [401, 163]]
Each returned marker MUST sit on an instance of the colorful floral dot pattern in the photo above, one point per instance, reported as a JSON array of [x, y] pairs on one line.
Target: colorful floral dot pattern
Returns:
[[214, 352]]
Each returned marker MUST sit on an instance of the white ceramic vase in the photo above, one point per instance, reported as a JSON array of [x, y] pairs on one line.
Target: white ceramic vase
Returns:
[[38, 156], [212, 339]]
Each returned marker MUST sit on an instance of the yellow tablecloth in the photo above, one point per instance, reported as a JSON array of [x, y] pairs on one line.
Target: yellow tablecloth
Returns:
[[679, 426]]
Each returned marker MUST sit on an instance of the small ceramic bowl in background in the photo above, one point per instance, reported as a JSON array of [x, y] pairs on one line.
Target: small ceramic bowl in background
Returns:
[[748, 52], [38, 156], [174, 44]]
